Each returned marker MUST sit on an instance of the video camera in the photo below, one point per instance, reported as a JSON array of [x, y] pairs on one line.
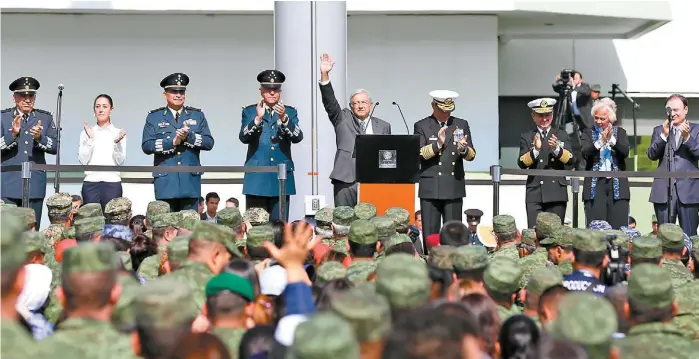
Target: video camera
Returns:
[[565, 77], [615, 272]]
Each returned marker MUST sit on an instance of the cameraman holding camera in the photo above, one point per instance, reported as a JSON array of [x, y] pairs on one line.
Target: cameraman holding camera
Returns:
[[569, 84]]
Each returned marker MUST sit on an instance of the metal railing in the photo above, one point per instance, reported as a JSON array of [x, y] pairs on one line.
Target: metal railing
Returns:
[[634, 106], [26, 169]]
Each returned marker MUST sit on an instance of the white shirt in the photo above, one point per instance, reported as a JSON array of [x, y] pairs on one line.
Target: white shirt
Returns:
[[102, 151], [543, 139], [213, 219], [174, 113], [365, 123], [677, 133]]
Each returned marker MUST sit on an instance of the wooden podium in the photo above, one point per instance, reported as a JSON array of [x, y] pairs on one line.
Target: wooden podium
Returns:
[[387, 167]]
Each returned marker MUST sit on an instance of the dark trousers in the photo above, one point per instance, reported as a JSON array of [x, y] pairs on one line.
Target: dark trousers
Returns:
[[181, 204], [688, 214], [605, 208], [436, 210], [101, 192], [533, 210], [345, 193], [37, 204], [270, 204]]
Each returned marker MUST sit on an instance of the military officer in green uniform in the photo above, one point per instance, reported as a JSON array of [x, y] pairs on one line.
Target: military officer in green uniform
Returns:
[[175, 135], [229, 299], [501, 279], [672, 240], [505, 230], [269, 127]]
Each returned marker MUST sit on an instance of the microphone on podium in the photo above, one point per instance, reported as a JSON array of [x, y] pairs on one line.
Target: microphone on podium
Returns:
[[407, 130], [374, 108]]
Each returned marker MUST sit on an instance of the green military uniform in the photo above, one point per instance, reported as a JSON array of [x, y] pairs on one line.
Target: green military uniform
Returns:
[[155, 208], [561, 236], [16, 341], [401, 216], [324, 335], [650, 286], [150, 266], [177, 252], [368, 313], [118, 210], [231, 218], [397, 239], [536, 259], [646, 248], [189, 219], [468, 258], [80, 337], [588, 320], [672, 237], [330, 271], [33, 242], [505, 224], [385, 227], [27, 215], [122, 317], [89, 225], [541, 280], [365, 210], [258, 235], [363, 232], [256, 216], [687, 318], [323, 227], [359, 271], [441, 257], [502, 276], [546, 224], [89, 210], [197, 274], [233, 283], [403, 280]]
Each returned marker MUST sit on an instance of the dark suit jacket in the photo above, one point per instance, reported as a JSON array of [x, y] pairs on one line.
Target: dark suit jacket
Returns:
[[584, 102], [685, 159], [346, 131], [620, 151], [545, 189], [442, 171]]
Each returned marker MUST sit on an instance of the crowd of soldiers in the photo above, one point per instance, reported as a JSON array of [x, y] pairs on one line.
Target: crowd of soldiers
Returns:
[[347, 284]]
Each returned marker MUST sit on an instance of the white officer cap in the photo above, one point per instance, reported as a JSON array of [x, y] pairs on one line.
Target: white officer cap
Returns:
[[542, 105], [444, 99]]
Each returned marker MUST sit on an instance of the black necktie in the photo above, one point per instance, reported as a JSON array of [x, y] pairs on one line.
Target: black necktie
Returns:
[[444, 124], [177, 117], [545, 132], [25, 117]]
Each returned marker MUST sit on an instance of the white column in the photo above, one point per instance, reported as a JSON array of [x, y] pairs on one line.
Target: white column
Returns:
[[303, 31]]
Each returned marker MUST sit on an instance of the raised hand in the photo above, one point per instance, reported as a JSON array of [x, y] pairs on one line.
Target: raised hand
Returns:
[[280, 109], [441, 136], [553, 141], [88, 130], [607, 134], [36, 130], [326, 64], [537, 141], [462, 143], [16, 125], [260, 112], [120, 136], [666, 128], [684, 128]]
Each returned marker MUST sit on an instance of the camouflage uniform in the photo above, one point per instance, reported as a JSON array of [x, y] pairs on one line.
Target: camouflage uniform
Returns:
[[125, 260], [587, 320], [258, 235], [402, 218], [397, 239], [672, 237], [385, 228], [365, 210], [33, 242], [117, 210], [468, 258], [561, 236], [59, 203], [646, 248], [404, 281], [542, 279], [189, 219], [650, 286], [155, 208], [546, 224], [177, 252], [89, 225], [27, 214], [86, 337], [687, 318], [256, 216], [502, 276], [323, 227], [150, 265], [233, 283], [231, 218], [363, 232], [122, 317], [197, 274], [89, 210], [367, 312], [329, 271], [358, 271], [505, 224], [324, 335], [441, 257], [16, 341]]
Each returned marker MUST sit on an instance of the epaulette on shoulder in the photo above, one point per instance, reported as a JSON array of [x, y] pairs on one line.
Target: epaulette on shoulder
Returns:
[[43, 111], [7, 109], [291, 107], [248, 106], [190, 108], [157, 109]]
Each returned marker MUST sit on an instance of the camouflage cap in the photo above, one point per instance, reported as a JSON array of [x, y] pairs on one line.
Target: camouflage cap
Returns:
[[256, 216], [7, 205], [329, 271], [189, 218], [695, 243], [543, 278], [13, 255], [27, 215], [163, 220], [89, 225], [469, 258], [33, 241], [621, 239], [385, 227], [646, 248], [588, 320], [118, 209], [403, 280], [651, 286], [324, 335], [178, 249], [125, 259], [367, 312], [671, 236], [358, 271], [89, 257], [529, 237], [164, 303], [59, 203], [156, 207], [502, 275], [441, 257], [69, 232], [589, 240], [401, 216], [561, 236], [547, 222], [364, 210], [362, 232], [259, 235], [215, 233], [339, 246], [397, 239], [229, 217], [88, 210], [343, 216], [504, 223], [324, 217]]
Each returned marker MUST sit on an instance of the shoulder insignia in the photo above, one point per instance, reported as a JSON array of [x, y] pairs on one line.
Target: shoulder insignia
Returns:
[[7, 109], [43, 111], [248, 106], [157, 109], [192, 108]]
